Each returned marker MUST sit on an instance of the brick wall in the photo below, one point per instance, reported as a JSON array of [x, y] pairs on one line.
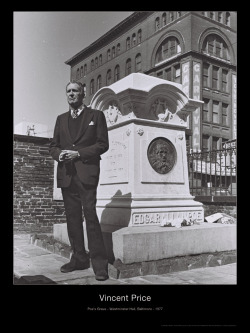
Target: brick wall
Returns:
[[34, 207]]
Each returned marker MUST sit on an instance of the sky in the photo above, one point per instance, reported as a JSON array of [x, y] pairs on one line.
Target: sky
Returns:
[[43, 41]]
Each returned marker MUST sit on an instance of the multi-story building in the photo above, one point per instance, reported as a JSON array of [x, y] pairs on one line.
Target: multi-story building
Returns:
[[194, 48]]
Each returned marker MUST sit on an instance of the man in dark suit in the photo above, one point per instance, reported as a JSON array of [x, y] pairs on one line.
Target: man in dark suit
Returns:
[[80, 137]]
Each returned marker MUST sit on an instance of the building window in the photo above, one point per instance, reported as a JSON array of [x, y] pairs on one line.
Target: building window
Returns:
[[178, 14], [85, 70], [92, 85], [118, 48], [215, 46], [96, 62], [215, 82], [215, 143], [220, 17], [171, 16], [128, 67], [228, 19], [100, 59], [212, 15], [160, 75], [205, 142], [168, 74], [109, 77], [78, 74], [117, 73], [81, 71], [224, 80], [215, 112], [113, 52], [138, 63], [206, 68], [84, 89], [164, 19], [99, 82], [157, 23], [205, 112], [139, 37], [133, 39], [108, 54], [92, 65], [218, 49], [128, 43], [167, 49], [224, 114], [177, 74]]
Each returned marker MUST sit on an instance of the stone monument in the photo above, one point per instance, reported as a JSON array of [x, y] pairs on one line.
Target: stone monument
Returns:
[[144, 175]]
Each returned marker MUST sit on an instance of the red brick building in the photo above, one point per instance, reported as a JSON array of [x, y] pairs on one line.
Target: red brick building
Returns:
[[197, 49]]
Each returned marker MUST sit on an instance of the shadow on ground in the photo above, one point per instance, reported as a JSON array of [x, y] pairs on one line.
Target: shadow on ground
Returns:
[[32, 279]]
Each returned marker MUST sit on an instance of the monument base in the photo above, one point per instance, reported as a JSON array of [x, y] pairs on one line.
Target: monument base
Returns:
[[139, 244], [147, 250]]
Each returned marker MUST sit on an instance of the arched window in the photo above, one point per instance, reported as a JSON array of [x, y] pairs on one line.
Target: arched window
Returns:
[[113, 52], [228, 19], [215, 46], [92, 64], [157, 23], [81, 71], [138, 63], [108, 54], [99, 82], [78, 74], [92, 86], [108, 77], [118, 48], [220, 17], [84, 89], [164, 19], [212, 15], [85, 70], [128, 67], [134, 39], [171, 16], [100, 59], [96, 62], [168, 48], [117, 73], [128, 43], [139, 37]]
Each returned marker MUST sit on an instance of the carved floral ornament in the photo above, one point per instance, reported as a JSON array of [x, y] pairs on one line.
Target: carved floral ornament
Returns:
[[160, 110], [112, 113]]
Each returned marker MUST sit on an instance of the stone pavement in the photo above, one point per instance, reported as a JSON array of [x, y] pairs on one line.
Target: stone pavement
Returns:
[[35, 265]]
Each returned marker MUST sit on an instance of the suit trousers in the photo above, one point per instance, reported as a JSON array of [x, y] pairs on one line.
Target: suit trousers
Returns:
[[78, 199]]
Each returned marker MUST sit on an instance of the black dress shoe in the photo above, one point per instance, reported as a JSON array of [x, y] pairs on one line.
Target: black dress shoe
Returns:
[[101, 276], [74, 265]]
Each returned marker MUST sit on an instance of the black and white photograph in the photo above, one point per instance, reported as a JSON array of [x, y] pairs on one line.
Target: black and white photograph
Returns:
[[125, 159]]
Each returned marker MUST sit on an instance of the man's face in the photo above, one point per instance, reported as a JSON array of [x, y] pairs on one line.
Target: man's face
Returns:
[[74, 95]]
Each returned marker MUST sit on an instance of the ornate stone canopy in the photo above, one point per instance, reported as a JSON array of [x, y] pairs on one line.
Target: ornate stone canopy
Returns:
[[140, 96]]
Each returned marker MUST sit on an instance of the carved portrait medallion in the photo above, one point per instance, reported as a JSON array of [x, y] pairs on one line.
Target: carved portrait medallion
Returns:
[[161, 155]]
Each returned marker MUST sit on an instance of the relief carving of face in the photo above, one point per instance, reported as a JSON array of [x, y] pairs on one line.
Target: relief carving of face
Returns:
[[161, 155]]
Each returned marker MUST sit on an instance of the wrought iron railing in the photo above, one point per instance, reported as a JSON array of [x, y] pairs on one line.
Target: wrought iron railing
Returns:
[[213, 173]]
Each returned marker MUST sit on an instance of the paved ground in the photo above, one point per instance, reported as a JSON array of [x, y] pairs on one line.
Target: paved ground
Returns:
[[34, 265]]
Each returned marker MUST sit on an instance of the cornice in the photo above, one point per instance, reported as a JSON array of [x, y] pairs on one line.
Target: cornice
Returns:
[[109, 36]]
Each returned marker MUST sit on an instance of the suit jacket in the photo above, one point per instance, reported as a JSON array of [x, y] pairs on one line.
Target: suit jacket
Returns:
[[91, 141]]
